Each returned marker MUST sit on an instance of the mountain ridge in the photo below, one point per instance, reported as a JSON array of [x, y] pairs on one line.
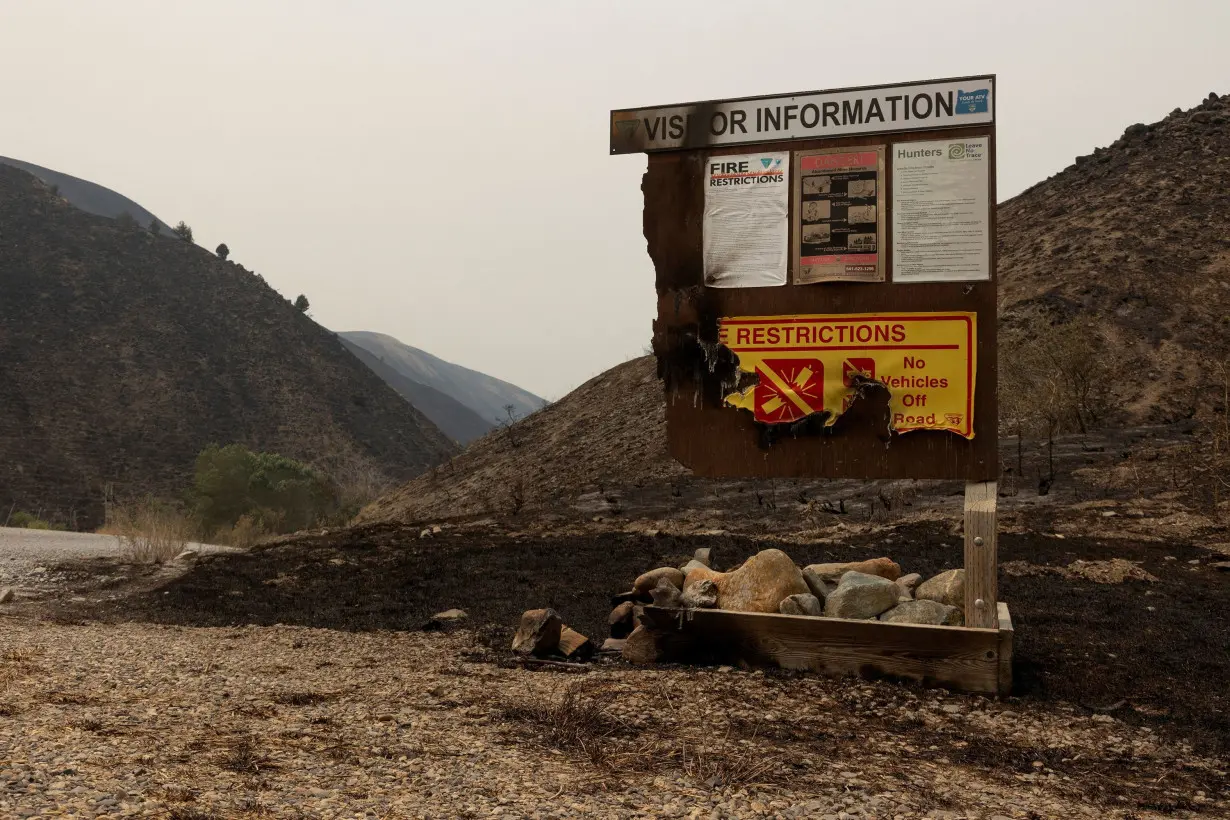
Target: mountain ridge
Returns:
[[486, 395], [89, 196], [123, 354]]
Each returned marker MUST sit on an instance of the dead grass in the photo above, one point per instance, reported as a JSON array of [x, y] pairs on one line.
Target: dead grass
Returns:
[[149, 532], [243, 756], [579, 725], [245, 534]]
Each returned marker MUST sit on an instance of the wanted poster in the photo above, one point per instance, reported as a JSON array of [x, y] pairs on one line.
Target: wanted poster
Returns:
[[839, 215]]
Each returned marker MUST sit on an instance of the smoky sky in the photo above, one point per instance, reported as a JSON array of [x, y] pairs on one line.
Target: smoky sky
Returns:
[[440, 172]]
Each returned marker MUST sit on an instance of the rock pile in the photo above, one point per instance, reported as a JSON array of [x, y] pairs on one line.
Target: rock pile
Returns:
[[770, 582]]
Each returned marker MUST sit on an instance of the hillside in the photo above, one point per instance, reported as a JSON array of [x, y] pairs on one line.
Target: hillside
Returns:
[[123, 354], [610, 431], [485, 395], [1134, 237], [89, 196], [457, 421]]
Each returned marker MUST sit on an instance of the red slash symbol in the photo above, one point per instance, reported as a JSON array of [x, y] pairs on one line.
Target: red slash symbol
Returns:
[[789, 389], [855, 366]]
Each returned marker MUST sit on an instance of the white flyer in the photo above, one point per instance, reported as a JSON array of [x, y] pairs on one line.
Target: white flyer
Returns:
[[746, 221], [941, 211]]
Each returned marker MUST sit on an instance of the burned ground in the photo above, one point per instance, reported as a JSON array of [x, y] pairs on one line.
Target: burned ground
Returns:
[[1150, 652]]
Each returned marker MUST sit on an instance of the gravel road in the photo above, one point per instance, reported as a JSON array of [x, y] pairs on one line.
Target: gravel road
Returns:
[[28, 557]]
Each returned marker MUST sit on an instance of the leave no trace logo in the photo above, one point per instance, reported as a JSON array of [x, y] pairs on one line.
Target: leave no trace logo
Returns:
[[956, 150]]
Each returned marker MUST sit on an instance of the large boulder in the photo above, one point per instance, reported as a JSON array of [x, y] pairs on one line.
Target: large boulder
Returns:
[[946, 588], [538, 633], [924, 612], [883, 567], [861, 596], [802, 604], [649, 580], [698, 574], [760, 584]]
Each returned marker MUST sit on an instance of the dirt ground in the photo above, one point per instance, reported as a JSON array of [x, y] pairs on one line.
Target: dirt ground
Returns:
[[307, 678]]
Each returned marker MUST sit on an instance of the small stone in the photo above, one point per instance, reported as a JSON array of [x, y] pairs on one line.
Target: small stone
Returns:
[[803, 603], [924, 612], [539, 632], [614, 644], [909, 583], [425, 534], [704, 555], [701, 595], [1221, 566], [666, 594], [187, 555], [946, 588], [861, 596], [6, 595], [649, 580], [450, 615], [622, 620], [818, 586], [573, 645]]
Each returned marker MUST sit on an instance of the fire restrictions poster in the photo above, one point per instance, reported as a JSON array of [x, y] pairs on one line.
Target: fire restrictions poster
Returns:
[[839, 215], [746, 220]]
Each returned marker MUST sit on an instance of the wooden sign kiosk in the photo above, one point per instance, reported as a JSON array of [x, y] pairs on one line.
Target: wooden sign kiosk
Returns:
[[826, 279]]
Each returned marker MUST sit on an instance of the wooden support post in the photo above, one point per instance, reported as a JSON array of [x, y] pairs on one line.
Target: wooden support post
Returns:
[[981, 561]]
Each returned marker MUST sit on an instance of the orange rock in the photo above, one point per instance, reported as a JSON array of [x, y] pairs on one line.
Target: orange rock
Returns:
[[883, 567], [760, 584]]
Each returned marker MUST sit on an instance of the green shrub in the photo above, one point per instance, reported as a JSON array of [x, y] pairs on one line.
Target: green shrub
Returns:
[[277, 494], [27, 521]]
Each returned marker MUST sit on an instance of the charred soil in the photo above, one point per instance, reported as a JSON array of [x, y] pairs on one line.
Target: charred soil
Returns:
[[1151, 652]]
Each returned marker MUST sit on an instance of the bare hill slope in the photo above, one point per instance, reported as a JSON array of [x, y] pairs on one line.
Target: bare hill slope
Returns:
[[457, 421], [1136, 237], [485, 395], [610, 431], [123, 354], [89, 196]]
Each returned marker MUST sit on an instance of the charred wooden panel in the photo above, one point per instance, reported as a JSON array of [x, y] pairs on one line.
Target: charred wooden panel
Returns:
[[720, 441]]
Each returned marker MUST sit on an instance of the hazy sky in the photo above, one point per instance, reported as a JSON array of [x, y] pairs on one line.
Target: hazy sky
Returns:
[[440, 171]]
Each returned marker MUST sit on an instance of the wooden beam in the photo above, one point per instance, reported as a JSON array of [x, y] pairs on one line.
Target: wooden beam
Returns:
[[953, 656], [981, 561], [1005, 650]]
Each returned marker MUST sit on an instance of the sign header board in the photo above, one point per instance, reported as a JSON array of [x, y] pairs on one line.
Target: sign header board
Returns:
[[880, 109]]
